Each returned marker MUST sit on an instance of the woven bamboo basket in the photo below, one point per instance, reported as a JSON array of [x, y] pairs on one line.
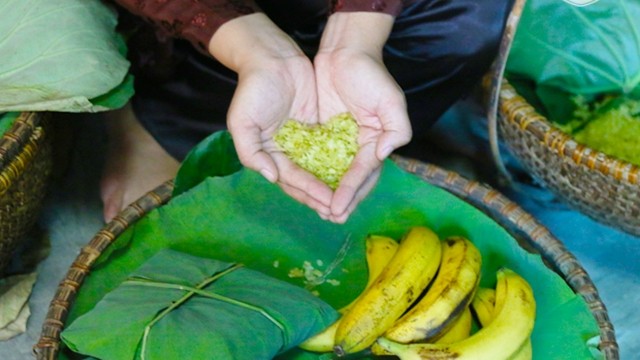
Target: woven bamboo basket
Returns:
[[529, 233], [25, 165], [603, 187]]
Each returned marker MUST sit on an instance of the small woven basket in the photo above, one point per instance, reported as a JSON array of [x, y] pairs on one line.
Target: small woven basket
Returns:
[[603, 187], [528, 232], [25, 165]]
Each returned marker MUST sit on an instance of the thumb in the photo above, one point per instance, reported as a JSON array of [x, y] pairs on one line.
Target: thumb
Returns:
[[250, 149], [396, 131]]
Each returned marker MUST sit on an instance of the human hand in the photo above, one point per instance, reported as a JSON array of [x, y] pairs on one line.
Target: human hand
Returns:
[[351, 77], [276, 82]]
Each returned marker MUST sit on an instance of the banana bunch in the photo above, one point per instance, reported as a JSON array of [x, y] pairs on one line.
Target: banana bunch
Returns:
[[506, 336], [484, 305], [448, 296], [420, 301], [379, 251], [399, 285]]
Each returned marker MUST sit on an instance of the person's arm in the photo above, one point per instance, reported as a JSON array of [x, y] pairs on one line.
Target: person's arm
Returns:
[[195, 21]]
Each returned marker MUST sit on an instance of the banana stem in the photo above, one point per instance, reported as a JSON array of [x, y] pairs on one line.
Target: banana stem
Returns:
[[339, 354]]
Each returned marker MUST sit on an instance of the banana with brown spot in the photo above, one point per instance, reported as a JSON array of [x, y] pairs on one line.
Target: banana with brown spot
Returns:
[[505, 338], [449, 295], [399, 285]]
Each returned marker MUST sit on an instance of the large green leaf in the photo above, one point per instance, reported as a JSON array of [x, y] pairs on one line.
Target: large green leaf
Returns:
[[214, 156], [211, 301], [116, 97], [60, 56], [6, 121], [244, 218], [567, 50], [584, 50]]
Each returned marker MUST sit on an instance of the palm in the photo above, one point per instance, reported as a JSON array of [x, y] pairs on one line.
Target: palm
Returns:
[[265, 98], [360, 84]]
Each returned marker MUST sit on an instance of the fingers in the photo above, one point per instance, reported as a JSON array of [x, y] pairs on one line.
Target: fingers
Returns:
[[354, 184], [276, 167], [250, 148], [396, 128], [362, 192], [302, 197], [316, 193], [377, 143], [295, 182]]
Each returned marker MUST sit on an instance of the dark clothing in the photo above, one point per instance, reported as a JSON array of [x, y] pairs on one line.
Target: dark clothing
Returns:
[[437, 52]]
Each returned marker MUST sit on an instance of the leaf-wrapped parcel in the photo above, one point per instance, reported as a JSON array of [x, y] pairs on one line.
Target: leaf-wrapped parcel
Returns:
[[62, 55], [180, 306]]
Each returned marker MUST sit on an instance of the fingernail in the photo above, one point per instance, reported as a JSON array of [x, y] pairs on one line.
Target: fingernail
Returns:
[[268, 175], [339, 219]]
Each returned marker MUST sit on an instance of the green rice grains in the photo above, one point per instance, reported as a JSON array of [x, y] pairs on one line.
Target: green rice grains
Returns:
[[325, 151], [611, 126]]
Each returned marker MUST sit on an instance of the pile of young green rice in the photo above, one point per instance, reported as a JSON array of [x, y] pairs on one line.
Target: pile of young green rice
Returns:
[[611, 126], [324, 150]]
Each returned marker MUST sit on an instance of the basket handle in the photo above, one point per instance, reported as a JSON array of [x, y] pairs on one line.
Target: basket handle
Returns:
[[496, 75]]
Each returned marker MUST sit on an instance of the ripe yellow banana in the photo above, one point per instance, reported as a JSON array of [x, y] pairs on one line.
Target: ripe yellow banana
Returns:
[[483, 305], [379, 251], [459, 330], [401, 282], [448, 296], [503, 338], [525, 352], [322, 342]]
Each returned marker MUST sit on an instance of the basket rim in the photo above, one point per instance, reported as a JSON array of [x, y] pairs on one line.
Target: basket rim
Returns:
[[17, 137], [515, 108], [20, 149], [482, 196]]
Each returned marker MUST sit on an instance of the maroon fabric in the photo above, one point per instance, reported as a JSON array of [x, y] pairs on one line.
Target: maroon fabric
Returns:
[[198, 20], [193, 20], [391, 7]]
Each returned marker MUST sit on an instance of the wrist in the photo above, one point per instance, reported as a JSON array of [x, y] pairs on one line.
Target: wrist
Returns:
[[359, 31], [249, 39]]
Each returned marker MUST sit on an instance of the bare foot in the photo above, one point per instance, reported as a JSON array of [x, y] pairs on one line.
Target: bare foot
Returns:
[[135, 163]]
